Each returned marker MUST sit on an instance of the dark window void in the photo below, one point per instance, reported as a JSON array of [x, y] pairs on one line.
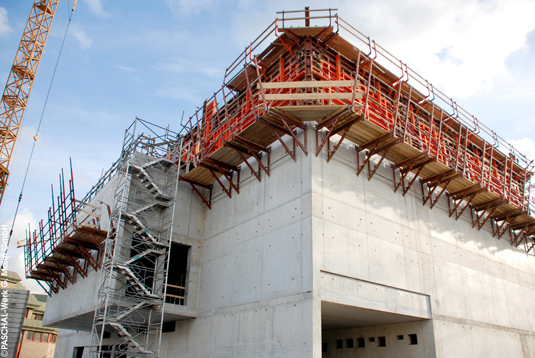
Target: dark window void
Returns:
[[361, 343], [107, 335], [400, 338], [178, 269], [381, 341], [324, 347], [78, 352], [371, 339], [339, 344], [413, 338], [168, 327], [349, 343]]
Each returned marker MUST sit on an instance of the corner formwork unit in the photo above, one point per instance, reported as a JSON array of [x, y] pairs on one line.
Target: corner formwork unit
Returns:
[[134, 274], [354, 91]]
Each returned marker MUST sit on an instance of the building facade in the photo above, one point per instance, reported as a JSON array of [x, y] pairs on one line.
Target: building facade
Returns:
[[28, 337], [284, 223]]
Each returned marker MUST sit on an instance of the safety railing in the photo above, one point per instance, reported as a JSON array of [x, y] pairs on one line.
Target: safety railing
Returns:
[[410, 107]]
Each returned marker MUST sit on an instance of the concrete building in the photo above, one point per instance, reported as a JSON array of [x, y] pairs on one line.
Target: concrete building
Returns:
[[269, 226], [28, 338]]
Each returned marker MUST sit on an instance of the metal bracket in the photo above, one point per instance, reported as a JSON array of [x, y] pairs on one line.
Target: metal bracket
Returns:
[[464, 195], [416, 163], [247, 147], [434, 182], [194, 186], [286, 129], [521, 231], [88, 257], [506, 219], [227, 171], [381, 144], [333, 130], [479, 211]]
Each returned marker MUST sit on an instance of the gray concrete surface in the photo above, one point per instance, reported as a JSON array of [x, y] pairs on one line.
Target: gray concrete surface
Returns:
[[271, 267]]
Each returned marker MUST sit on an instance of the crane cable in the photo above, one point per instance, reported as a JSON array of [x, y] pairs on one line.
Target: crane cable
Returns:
[[4, 257]]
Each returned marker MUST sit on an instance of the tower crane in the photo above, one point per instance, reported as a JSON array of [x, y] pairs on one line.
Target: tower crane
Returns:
[[20, 81]]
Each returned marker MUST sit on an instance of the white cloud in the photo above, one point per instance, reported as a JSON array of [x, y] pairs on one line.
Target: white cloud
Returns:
[[126, 68], [81, 36], [96, 7], [459, 45], [462, 44], [5, 29], [187, 7]]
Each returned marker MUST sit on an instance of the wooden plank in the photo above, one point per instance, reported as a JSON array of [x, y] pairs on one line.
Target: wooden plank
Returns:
[[310, 96], [173, 286], [304, 31], [174, 296], [306, 84]]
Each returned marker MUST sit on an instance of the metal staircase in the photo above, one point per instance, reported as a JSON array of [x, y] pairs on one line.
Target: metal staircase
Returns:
[[135, 266]]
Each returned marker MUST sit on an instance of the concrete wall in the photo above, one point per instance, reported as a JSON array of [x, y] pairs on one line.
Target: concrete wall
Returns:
[[259, 262], [482, 290], [255, 287], [68, 339]]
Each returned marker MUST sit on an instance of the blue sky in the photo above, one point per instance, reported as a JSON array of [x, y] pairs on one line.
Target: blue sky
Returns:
[[156, 59]]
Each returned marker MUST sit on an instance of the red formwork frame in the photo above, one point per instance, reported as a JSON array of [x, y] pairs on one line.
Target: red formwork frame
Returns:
[[409, 109]]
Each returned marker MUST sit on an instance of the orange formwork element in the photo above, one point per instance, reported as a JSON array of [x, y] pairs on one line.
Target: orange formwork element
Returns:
[[350, 90]]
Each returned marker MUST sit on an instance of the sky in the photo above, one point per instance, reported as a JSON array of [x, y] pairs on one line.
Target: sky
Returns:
[[159, 59]]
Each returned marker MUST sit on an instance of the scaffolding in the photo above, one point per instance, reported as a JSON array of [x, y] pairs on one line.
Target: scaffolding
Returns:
[[305, 77], [67, 244], [351, 92], [134, 274]]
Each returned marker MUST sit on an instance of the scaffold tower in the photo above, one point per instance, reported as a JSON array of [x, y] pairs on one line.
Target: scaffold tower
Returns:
[[132, 292]]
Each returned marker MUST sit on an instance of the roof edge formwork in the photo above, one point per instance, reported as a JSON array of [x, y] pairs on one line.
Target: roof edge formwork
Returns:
[[355, 90]]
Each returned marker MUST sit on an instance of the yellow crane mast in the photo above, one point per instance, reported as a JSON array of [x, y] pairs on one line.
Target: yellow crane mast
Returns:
[[20, 81]]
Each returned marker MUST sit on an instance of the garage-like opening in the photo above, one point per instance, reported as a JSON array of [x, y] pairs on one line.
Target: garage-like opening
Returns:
[[349, 331]]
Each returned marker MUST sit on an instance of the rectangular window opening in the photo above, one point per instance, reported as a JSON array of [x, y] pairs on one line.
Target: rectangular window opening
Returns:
[[324, 347], [78, 352], [361, 343], [400, 338], [349, 343], [413, 339], [339, 344], [29, 336], [381, 341], [371, 339], [168, 327], [178, 270]]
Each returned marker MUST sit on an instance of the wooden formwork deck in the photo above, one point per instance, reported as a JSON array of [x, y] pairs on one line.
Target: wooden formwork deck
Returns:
[[361, 133], [84, 236]]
